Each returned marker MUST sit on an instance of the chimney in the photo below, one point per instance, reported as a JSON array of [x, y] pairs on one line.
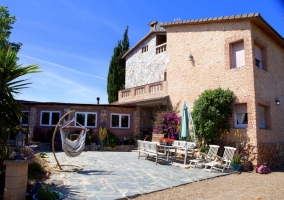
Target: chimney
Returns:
[[98, 99], [153, 25]]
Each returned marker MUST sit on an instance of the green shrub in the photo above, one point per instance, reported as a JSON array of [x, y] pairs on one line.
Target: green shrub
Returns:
[[111, 139], [236, 160], [37, 169], [204, 149], [211, 114], [45, 193], [127, 141], [92, 136], [6, 151]]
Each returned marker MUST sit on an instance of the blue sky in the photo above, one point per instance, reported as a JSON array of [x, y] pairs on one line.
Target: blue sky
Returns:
[[73, 40]]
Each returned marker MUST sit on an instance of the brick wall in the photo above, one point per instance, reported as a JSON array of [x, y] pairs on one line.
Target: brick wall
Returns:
[[103, 116], [210, 68], [209, 44]]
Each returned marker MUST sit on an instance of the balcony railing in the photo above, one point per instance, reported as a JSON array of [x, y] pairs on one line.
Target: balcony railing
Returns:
[[149, 91], [161, 48], [126, 93], [139, 91], [155, 88]]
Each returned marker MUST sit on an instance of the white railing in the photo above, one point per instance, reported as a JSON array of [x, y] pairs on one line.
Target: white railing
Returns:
[[161, 48]]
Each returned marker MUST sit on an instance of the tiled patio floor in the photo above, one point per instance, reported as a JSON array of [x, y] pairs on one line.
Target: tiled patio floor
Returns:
[[115, 175]]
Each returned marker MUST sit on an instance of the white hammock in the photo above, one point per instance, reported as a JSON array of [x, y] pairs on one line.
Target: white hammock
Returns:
[[76, 147]]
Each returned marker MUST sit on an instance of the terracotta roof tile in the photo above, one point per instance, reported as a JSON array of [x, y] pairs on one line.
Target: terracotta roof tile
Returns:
[[237, 16]]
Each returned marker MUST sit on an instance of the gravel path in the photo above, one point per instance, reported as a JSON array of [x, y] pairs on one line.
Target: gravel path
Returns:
[[248, 186]]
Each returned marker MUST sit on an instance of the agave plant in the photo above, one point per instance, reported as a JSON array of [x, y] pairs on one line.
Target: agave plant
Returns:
[[10, 85]]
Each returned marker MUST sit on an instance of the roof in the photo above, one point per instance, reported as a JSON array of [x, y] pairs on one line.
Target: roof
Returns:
[[239, 17], [253, 17], [160, 30], [71, 104]]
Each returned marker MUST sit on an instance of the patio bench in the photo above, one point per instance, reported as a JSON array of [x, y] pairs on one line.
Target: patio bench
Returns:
[[150, 149]]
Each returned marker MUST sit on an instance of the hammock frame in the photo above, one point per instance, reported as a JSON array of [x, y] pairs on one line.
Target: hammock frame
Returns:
[[58, 166]]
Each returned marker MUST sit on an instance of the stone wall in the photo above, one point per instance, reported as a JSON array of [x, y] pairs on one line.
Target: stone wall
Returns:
[[147, 67], [270, 153]]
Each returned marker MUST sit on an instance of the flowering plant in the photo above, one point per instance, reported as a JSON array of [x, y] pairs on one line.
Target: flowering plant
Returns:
[[166, 140], [27, 152], [167, 123]]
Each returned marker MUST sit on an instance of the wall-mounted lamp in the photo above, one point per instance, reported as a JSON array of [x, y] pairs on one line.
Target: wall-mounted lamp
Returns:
[[190, 57], [277, 101]]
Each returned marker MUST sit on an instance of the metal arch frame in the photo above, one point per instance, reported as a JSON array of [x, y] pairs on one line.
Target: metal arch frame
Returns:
[[58, 167]]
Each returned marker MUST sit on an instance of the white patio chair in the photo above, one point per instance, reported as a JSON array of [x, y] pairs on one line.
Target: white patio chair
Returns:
[[222, 163], [181, 148], [210, 156]]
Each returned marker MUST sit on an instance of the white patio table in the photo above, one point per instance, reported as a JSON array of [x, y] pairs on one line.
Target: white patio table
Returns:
[[167, 148]]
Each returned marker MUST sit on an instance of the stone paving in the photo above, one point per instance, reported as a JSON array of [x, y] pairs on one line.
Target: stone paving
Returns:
[[118, 175]]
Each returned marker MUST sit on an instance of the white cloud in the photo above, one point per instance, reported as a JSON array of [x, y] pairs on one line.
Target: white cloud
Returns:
[[65, 68], [51, 87]]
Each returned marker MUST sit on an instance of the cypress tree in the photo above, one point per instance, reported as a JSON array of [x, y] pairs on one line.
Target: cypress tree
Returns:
[[116, 73]]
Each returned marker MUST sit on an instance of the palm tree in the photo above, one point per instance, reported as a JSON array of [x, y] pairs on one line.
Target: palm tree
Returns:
[[11, 84]]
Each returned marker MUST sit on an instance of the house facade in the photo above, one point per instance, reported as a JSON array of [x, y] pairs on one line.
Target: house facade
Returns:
[[177, 61], [42, 117]]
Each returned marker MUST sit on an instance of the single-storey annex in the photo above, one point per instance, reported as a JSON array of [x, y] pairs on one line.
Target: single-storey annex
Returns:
[[42, 117]]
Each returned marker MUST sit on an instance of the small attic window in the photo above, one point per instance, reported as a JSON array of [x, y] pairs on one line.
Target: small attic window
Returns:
[[145, 48]]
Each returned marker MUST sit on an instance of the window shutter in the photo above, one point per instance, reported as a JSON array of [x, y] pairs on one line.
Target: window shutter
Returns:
[[238, 55], [258, 53], [241, 108]]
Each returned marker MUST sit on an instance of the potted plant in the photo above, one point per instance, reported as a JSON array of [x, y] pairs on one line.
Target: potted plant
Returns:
[[236, 163], [166, 141], [45, 193], [26, 153]]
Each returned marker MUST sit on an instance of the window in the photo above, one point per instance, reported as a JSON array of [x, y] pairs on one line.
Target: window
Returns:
[[161, 39], [49, 118], [261, 112], [120, 121], [241, 116], [238, 54], [24, 120], [144, 49], [87, 119], [258, 56]]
